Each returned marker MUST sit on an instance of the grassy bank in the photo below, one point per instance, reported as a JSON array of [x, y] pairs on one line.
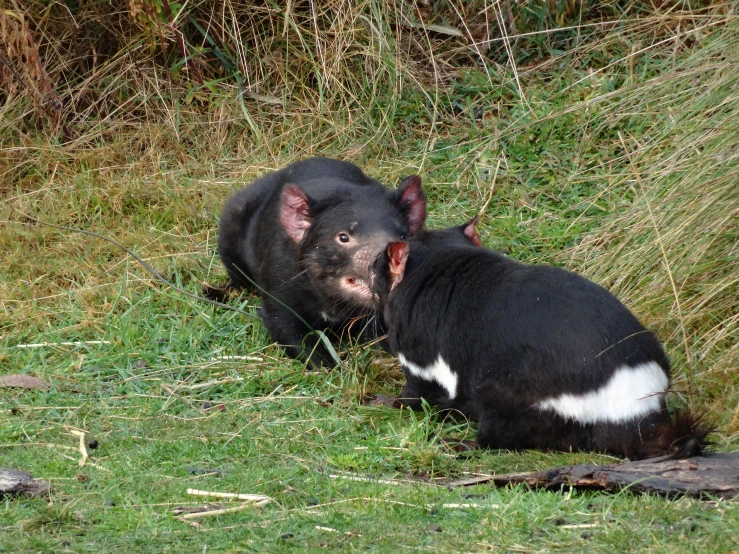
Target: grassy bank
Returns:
[[610, 149]]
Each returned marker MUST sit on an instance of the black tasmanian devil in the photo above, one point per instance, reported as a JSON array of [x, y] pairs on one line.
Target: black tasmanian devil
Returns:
[[541, 357], [306, 236]]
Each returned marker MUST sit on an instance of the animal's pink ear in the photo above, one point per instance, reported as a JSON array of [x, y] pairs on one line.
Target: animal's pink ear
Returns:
[[469, 231], [295, 214], [412, 202], [397, 252]]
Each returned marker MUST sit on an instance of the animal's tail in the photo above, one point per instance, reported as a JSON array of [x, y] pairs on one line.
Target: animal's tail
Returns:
[[682, 436]]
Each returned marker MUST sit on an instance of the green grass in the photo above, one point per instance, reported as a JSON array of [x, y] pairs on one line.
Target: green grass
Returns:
[[282, 432], [609, 159]]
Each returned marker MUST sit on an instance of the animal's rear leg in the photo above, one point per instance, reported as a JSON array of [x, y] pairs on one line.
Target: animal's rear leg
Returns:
[[531, 429], [410, 395]]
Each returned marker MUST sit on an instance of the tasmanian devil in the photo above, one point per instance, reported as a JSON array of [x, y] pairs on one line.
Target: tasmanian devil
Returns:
[[539, 356], [306, 236]]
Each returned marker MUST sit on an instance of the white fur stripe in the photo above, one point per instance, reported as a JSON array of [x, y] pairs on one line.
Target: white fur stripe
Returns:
[[632, 391], [438, 371]]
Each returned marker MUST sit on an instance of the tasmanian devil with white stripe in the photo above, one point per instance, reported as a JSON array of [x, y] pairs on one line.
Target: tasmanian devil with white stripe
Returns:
[[541, 357], [306, 236]]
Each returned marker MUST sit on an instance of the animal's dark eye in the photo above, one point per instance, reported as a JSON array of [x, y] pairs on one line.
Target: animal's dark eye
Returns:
[[402, 237], [343, 237]]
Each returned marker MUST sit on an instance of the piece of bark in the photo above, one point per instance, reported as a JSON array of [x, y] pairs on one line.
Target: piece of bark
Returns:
[[384, 400], [15, 483], [469, 481], [710, 475], [22, 381]]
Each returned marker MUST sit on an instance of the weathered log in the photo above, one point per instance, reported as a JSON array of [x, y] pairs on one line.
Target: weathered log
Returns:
[[714, 475], [15, 483]]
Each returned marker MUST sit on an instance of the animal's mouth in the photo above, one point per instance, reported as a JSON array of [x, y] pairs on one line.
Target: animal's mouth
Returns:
[[359, 287]]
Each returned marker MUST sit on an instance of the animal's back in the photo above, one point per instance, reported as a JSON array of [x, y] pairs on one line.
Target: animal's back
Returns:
[[515, 339], [235, 233], [320, 168], [546, 327]]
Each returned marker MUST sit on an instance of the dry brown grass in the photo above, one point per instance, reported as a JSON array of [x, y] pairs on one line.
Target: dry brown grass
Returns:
[[267, 72], [674, 252]]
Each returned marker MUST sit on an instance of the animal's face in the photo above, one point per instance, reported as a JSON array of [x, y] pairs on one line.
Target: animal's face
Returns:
[[339, 242]]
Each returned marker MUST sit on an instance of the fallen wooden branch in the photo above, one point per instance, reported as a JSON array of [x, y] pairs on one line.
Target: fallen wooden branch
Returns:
[[468, 481], [16, 483], [702, 476], [712, 475]]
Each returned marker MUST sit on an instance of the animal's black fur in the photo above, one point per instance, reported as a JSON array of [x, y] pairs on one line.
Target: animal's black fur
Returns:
[[285, 232], [515, 335]]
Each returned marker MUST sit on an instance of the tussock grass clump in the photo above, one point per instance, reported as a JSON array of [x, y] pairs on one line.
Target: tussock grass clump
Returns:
[[674, 252], [334, 68]]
